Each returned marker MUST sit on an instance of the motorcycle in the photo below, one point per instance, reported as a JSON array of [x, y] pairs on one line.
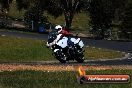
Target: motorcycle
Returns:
[[67, 48]]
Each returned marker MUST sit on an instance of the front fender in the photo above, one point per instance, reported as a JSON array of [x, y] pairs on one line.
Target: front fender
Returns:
[[56, 50]]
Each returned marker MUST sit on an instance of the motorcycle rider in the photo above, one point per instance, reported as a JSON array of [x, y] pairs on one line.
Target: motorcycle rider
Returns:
[[61, 32]]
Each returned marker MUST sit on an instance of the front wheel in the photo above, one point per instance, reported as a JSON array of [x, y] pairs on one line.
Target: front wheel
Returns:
[[60, 56], [80, 58]]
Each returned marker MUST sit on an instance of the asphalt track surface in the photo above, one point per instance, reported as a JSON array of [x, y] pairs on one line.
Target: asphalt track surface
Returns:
[[115, 45], [119, 62]]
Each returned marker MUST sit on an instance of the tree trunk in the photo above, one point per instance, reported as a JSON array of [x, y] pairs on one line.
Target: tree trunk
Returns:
[[68, 19], [68, 23]]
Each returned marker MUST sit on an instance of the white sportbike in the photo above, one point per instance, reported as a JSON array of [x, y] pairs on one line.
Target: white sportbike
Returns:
[[67, 48]]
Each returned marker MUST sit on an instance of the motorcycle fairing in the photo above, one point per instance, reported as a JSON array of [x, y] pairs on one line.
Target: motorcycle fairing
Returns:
[[63, 42]]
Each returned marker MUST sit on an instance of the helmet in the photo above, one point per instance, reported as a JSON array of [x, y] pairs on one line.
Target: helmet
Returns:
[[58, 28]]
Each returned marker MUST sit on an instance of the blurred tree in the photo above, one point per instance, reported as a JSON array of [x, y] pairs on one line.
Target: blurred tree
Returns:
[[54, 7], [101, 14], [126, 21], [35, 10], [66, 7], [23, 4], [5, 4], [4, 8]]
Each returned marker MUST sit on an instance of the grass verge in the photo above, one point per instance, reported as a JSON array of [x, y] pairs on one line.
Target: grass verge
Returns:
[[22, 49], [99, 53], [64, 79]]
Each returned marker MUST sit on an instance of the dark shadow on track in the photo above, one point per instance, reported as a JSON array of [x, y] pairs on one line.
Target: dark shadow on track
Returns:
[[112, 62], [74, 63]]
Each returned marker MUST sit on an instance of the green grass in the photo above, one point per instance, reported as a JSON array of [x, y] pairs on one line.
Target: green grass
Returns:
[[65, 79], [23, 49], [94, 53], [19, 49]]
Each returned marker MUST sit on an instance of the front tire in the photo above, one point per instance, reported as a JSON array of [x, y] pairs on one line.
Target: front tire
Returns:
[[60, 56]]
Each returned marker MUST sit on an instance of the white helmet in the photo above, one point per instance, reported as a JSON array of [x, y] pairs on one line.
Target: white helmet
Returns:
[[58, 28]]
